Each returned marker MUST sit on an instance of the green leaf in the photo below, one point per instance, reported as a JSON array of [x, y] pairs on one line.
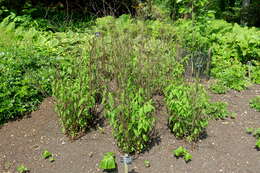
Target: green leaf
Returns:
[[179, 151], [249, 130], [187, 157], [108, 161], [147, 163], [257, 144], [46, 154]]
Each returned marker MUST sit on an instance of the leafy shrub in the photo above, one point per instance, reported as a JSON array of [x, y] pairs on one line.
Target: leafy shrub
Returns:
[[232, 47], [25, 73], [186, 105], [255, 103], [131, 120], [75, 99]]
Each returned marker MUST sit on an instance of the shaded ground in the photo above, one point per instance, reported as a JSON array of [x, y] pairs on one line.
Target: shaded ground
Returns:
[[227, 147]]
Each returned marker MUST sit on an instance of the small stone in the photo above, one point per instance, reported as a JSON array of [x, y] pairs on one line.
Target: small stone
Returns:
[[90, 154]]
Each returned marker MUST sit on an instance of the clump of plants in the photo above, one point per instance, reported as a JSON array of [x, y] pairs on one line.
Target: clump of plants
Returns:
[[22, 169], [24, 71], [131, 62], [75, 99], [217, 110], [48, 155], [131, 119], [256, 134], [182, 152], [186, 105], [255, 103]]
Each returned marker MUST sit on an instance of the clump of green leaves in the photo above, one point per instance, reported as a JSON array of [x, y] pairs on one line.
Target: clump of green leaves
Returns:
[[147, 163], [25, 72], [131, 120], [249, 130], [108, 162], [74, 97], [186, 105], [22, 169], [48, 155], [255, 103], [182, 152], [217, 110], [256, 134]]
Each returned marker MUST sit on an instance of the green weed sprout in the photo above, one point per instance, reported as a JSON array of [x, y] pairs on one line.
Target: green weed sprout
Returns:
[[22, 169], [182, 152]]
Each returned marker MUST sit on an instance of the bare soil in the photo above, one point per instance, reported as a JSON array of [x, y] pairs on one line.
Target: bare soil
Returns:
[[226, 148]]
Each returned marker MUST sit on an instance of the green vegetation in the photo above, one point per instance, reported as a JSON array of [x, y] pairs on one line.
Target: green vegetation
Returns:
[[186, 105], [158, 48], [256, 134], [48, 155], [182, 152], [147, 163], [108, 162], [22, 169], [255, 103], [217, 110]]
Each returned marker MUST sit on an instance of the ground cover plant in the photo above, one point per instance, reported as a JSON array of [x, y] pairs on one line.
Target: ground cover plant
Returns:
[[24, 71], [256, 134], [255, 103]]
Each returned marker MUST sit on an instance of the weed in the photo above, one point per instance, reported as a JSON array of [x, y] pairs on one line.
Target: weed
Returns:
[[22, 169], [257, 144], [256, 134], [255, 103], [147, 163], [46, 154], [233, 115], [182, 152], [249, 130]]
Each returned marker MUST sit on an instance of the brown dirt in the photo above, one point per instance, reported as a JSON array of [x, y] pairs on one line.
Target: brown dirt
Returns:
[[227, 148]]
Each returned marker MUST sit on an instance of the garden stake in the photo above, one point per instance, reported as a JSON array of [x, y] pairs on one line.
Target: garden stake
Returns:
[[126, 160]]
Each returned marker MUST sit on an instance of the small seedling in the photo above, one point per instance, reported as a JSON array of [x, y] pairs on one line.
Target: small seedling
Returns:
[[182, 152], [179, 151], [101, 130], [187, 157], [257, 133], [51, 159], [257, 144], [233, 115], [249, 130], [108, 162], [48, 155], [255, 103], [147, 163], [22, 169]]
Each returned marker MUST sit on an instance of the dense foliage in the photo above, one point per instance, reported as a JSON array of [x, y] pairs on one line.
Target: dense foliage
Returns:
[[121, 63]]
